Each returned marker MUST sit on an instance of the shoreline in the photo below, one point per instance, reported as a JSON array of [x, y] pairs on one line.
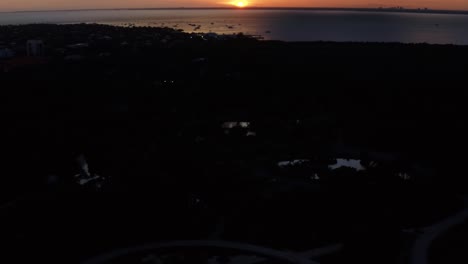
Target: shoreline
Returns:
[[260, 37]]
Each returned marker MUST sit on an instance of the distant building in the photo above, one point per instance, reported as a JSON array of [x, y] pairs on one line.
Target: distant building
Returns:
[[35, 48]]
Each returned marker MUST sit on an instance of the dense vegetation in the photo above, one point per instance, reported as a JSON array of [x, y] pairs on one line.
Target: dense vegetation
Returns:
[[146, 107]]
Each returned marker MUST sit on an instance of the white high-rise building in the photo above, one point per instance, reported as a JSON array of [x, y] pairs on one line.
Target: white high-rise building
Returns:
[[6, 53], [35, 48]]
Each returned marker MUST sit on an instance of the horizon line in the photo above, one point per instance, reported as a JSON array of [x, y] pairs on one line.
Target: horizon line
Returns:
[[381, 9]]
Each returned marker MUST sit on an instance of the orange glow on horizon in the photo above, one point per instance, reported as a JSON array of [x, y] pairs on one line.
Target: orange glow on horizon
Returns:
[[17, 5], [239, 3]]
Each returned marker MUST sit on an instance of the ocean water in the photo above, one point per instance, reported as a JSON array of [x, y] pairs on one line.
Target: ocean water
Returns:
[[288, 25]]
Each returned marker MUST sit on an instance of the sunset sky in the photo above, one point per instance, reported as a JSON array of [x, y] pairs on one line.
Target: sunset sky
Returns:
[[16, 5]]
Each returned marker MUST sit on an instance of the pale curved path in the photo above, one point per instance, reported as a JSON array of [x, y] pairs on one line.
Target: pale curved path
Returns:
[[420, 250], [262, 251]]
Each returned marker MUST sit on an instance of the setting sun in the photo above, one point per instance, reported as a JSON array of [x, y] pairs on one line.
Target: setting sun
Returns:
[[240, 3]]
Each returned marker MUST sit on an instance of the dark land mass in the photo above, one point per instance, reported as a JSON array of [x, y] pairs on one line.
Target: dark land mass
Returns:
[[183, 135]]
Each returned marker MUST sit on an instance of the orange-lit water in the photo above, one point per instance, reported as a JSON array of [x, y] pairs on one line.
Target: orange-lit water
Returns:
[[290, 25]]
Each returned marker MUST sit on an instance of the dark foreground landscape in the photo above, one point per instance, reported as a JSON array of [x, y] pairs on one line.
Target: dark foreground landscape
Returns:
[[115, 137]]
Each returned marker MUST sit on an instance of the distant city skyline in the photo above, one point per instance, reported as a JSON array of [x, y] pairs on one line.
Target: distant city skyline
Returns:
[[30, 5]]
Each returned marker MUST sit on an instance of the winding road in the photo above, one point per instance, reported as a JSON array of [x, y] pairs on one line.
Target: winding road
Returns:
[[420, 250], [258, 250]]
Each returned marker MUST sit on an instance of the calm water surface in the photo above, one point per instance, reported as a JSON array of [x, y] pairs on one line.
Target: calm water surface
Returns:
[[289, 25]]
